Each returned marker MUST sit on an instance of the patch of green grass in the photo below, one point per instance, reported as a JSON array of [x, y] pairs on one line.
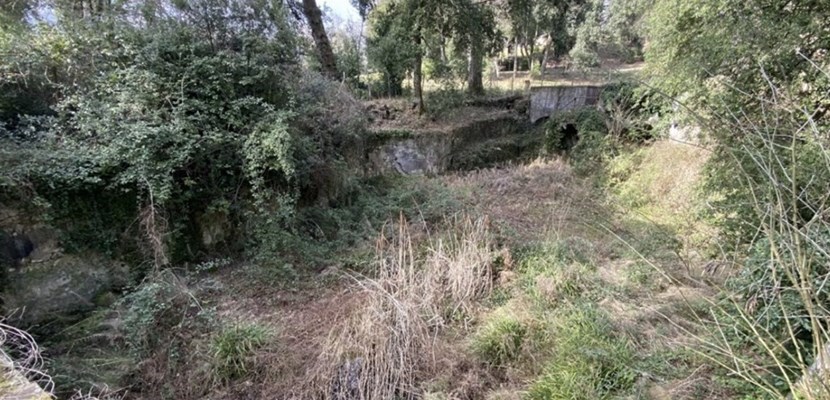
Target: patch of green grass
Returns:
[[642, 275], [233, 350], [588, 361], [499, 341], [562, 269], [557, 252], [563, 282]]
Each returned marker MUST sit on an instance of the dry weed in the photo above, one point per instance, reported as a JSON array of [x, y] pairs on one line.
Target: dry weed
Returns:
[[21, 366], [385, 347]]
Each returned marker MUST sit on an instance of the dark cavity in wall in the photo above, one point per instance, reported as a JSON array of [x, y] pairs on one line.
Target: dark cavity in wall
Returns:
[[570, 137]]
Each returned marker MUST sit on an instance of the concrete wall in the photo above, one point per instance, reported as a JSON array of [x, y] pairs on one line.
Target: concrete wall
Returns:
[[472, 145], [546, 100]]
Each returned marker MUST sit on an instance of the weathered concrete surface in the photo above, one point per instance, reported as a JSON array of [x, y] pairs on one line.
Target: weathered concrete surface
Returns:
[[412, 154], [475, 144], [546, 100]]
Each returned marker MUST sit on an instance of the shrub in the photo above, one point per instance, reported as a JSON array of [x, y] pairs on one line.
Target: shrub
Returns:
[[499, 340], [234, 349], [583, 135], [163, 324], [583, 120], [442, 103]]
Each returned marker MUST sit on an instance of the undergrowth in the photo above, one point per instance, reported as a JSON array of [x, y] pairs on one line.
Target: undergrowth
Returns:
[[588, 361], [234, 350]]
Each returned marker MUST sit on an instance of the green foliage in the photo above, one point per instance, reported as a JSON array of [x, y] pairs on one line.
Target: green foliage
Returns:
[[347, 53], [389, 47], [174, 118], [446, 34], [443, 102], [499, 340], [632, 110], [153, 313], [164, 324], [766, 282], [626, 28], [583, 120], [617, 31], [335, 232], [769, 166], [589, 36], [593, 146], [754, 77], [233, 350], [588, 361]]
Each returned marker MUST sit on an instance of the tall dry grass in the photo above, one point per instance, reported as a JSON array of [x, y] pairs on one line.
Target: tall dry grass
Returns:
[[21, 366], [387, 345]]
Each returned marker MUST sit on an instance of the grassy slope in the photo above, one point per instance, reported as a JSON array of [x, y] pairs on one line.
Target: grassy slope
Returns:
[[595, 291]]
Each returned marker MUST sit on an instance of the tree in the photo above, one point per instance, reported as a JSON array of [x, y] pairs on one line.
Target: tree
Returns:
[[475, 35], [321, 39], [364, 7], [346, 45], [421, 16], [415, 30], [389, 46], [13, 12], [589, 36]]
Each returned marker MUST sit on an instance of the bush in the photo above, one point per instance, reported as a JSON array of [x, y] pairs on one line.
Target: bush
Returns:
[[234, 349], [443, 103], [583, 135], [163, 325], [149, 131], [152, 314]]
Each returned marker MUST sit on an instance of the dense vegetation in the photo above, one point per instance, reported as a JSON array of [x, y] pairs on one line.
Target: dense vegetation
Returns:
[[204, 148]]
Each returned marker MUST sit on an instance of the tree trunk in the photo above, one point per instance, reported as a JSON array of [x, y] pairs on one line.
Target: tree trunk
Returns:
[[515, 61], [321, 40], [417, 78], [475, 84], [544, 65]]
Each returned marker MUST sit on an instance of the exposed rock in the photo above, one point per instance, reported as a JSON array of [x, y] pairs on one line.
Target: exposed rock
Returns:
[[215, 227], [61, 290], [426, 154]]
